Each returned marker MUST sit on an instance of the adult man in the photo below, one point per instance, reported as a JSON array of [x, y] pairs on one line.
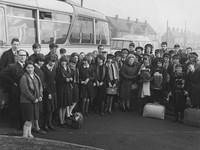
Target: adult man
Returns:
[[132, 48], [100, 48], [9, 56], [11, 77]]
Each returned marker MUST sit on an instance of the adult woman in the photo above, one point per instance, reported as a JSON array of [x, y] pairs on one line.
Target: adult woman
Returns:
[[31, 93], [64, 88], [128, 76]]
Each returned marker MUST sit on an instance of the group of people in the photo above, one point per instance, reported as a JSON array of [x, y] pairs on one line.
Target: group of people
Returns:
[[43, 88]]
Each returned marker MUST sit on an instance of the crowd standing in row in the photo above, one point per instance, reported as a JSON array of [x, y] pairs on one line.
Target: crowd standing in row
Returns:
[[43, 88]]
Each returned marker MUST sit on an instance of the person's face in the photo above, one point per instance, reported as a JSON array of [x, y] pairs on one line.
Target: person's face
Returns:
[[40, 63], [54, 50], [131, 61], [124, 55], [188, 50], [72, 65], [176, 61], [177, 49], [22, 56], [192, 58], [118, 58], [164, 46], [148, 50], [157, 55], [139, 51], [30, 69], [52, 63], [76, 58], [15, 45], [85, 63], [37, 50], [63, 54], [159, 64], [100, 49], [166, 59], [146, 60], [81, 56], [131, 48], [64, 63]]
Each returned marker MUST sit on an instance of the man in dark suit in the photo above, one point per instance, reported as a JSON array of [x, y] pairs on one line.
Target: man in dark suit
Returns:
[[8, 57], [11, 76]]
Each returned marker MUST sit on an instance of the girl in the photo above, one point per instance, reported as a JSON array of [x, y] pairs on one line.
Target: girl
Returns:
[[112, 79], [31, 93], [50, 99]]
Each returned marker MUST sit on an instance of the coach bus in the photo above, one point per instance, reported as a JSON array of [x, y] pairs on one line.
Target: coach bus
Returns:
[[44, 21], [72, 27]]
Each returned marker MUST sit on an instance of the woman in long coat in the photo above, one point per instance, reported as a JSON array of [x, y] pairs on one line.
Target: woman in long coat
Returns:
[[50, 99], [64, 88], [128, 76], [31, 93]]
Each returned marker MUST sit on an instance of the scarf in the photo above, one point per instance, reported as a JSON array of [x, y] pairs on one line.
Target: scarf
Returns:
[[113, 71]]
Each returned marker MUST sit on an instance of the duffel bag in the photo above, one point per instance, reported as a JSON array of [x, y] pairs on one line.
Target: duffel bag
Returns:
[[192, 117], [111, 91], [154, 111]]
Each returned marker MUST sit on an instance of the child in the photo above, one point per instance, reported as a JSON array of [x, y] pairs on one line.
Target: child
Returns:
[[100, 72], [112, 79], [145, 78], [157, 83], [178, 96], [75, 83], [85, 83], [50, 100]]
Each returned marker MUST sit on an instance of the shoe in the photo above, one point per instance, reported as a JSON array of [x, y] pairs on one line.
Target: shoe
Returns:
[[40, 131], [46, 129], [51, 128]]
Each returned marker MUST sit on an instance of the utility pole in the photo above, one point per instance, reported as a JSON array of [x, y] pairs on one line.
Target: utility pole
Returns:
[[167, 32], [81, 3], [185, 35]]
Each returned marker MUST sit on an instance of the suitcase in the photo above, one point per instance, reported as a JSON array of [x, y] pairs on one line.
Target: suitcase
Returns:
[[192, 117], [154, 111]]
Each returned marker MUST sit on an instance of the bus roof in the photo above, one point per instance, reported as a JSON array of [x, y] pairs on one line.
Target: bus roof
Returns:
[[132, 38], [88, 12], [53, 5]]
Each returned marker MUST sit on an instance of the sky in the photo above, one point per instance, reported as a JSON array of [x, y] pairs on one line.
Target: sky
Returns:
[[178, 13]]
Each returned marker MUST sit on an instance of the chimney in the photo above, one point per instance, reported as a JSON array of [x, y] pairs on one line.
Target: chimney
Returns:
[[116, 17], [145, 21], [128, 19], [136, 20]]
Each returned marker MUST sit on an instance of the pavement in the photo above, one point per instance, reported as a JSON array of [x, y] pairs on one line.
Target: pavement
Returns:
[[128, 131]]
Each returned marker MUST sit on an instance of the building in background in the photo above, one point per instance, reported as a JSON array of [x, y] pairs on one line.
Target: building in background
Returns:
[[127, 28]]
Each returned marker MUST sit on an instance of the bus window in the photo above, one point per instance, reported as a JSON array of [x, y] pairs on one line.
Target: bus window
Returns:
[[54, 27], [102, 32], [21, 24], [2, 26], [82, 31]]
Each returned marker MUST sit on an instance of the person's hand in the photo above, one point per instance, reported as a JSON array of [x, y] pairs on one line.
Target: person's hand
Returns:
[[49, 96], [87, 80], [101, 83], [82, 82], [94, 84], [70, 79], [97, 83], [110, 85], [15, 84], [36, 101], [114, 85], [40, 99]]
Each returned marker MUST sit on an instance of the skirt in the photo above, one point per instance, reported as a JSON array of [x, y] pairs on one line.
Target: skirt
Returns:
[[27, 110]]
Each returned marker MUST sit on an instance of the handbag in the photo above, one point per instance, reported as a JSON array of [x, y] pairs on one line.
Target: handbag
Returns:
[[111, 90], [134, 86]]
